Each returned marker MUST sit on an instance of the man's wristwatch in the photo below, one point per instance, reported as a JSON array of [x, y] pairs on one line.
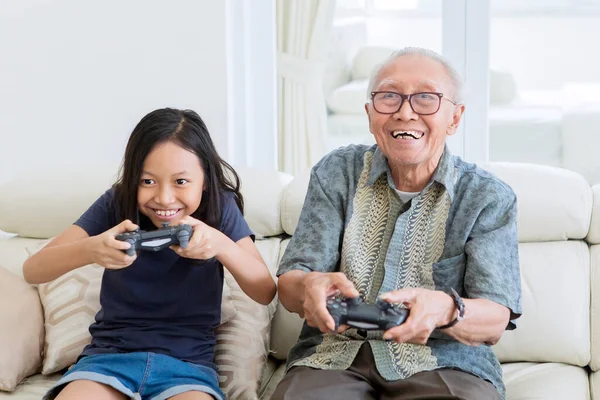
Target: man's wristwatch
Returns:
[[460, 306]]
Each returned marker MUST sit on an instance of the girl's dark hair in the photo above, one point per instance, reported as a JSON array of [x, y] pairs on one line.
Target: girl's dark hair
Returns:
[[186, 129]]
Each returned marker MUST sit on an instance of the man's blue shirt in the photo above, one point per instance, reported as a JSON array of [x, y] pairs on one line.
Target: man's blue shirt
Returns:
[[460, 231]]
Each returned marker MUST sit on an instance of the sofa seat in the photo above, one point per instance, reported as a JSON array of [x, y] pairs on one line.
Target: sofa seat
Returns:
[[547, 381], [524, 381], [32, 388], [595, 385], [274, 372]]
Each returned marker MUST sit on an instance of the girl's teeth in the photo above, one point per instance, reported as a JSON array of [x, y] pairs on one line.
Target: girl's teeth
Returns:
[[166, 213]]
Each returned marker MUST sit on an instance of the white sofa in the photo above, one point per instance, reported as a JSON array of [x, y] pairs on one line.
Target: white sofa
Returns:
[[554, 354]]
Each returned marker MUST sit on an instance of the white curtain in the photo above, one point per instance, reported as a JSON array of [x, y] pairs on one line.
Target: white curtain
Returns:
[[303, 28]]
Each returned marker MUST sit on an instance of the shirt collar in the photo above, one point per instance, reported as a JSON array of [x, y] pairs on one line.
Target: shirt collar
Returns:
[[379, 166], [444, 173]]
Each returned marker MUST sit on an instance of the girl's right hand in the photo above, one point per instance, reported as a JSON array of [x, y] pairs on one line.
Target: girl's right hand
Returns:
[[108, 251]]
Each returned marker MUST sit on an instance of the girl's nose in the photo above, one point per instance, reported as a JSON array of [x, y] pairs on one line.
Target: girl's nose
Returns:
[[164, 196]]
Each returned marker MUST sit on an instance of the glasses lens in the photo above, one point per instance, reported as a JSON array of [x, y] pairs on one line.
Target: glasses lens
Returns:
[[386, 103], [425, 103]]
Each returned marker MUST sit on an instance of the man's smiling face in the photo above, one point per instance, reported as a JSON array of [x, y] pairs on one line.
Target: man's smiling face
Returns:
[[405, 137]]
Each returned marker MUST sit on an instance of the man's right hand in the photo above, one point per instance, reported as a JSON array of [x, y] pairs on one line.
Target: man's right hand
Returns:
[[317, 287], [108, 251]]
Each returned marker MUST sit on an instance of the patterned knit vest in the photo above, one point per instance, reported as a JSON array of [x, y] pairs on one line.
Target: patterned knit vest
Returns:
[[419, 238]]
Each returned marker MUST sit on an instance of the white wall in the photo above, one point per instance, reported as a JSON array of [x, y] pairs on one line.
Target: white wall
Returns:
[[75, 77]]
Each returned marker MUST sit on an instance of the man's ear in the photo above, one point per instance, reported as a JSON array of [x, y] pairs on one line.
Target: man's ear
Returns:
[[459, 110], [368, 111]]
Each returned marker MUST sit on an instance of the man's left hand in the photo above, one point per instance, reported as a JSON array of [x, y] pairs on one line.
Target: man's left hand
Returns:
[[428, 309]]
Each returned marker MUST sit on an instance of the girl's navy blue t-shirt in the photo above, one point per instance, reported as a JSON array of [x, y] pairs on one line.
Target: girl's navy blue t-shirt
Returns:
[[161, 303]]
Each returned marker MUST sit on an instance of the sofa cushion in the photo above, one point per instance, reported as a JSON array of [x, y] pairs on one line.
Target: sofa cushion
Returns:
[[548, 381], [570, 206], [70, 304], [276, 372], [43, 204], [243, 342], [349, 98], [595, 308], [262, 191], [13, 253], [555, 323], [21, 330], [292, 201], [286, 326], [594, 234], [595, 385]]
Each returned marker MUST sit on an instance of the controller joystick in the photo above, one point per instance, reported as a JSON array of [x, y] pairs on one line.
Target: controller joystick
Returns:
[[354, 301]]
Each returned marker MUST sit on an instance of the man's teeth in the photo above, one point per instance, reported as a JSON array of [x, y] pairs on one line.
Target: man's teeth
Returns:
[[407, 134], [165, 213]]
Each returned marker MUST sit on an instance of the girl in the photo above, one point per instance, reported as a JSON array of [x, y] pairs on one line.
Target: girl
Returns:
[[154, 334]]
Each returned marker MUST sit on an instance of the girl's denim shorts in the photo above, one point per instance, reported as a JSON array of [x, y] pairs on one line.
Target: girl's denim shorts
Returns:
[[142, 375]]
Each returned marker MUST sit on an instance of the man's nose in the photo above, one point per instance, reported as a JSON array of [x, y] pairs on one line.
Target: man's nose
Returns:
[[406, 113]]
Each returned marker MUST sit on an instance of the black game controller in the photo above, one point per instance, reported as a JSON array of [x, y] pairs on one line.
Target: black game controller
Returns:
[[357, 314], [156, 240]]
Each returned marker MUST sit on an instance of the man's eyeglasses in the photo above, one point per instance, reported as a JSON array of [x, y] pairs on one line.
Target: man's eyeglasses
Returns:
[[422, 103]]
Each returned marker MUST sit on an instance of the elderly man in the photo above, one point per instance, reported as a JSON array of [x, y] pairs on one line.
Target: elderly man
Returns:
[[406, 222]]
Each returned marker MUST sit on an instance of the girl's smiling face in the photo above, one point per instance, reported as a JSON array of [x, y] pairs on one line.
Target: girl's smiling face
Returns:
[[171, 184]]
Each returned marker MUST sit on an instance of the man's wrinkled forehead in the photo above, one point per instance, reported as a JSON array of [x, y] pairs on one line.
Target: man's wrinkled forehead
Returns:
[[391, 75], [428, 84]]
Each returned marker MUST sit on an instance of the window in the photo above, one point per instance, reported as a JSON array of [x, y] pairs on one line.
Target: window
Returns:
[[543, 83]]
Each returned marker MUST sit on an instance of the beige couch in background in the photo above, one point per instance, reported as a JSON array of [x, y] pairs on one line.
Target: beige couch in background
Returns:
[[554, 354]]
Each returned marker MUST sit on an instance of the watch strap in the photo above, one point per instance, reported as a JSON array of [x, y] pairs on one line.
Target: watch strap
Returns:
[[460, 306]]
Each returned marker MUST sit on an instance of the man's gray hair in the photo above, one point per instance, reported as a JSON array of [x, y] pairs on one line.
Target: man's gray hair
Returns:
[[455, 78]]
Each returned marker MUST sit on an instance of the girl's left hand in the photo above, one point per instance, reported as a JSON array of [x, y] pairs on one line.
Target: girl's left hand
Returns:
[[206, 242]]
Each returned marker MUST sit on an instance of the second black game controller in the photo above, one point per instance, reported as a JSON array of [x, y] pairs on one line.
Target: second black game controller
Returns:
[[156, 240], [357, 314]]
